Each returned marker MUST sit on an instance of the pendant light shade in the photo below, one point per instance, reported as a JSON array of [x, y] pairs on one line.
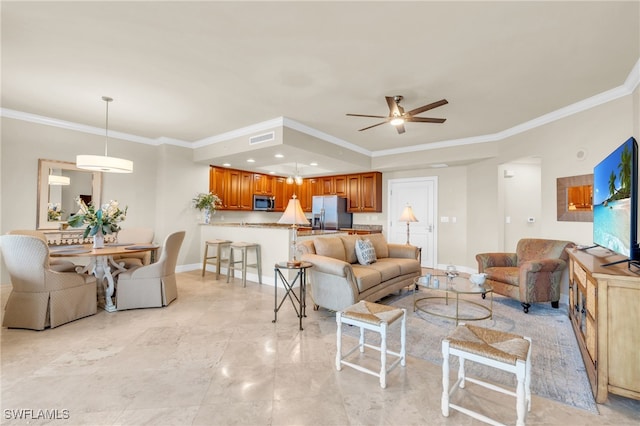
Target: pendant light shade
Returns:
[[104, 163], [59, 180]]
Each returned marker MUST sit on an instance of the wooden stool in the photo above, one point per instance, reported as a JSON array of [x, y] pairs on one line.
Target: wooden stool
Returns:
[[378, 318], [244, 247], [505, 351], [219, 246]]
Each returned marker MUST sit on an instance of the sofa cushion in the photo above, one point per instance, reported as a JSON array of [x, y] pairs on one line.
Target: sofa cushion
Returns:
[[406, 266], [380, 244], [349, 242], [330, 247], [366, 277], [365, 252], [504, 274], [388, 270]]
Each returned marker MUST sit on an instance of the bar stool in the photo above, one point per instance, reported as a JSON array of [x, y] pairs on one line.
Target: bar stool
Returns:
[[375, 317], [244, 248], [505, 351], [219, 245]]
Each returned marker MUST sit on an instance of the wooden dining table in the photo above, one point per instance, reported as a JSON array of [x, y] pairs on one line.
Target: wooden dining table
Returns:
[[102, 264]]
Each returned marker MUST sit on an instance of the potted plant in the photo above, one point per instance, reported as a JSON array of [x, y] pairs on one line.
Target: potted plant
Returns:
[[207, 202]]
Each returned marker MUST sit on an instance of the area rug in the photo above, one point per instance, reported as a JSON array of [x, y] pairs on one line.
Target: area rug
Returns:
[[558, 372]]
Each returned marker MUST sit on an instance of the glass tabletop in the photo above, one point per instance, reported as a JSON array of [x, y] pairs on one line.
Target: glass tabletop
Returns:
[[457, 284]]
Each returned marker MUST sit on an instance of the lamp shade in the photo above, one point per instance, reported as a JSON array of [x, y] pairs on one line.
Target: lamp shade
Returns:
[[102, 163], [293, 215], [407, 215], [59, 180]]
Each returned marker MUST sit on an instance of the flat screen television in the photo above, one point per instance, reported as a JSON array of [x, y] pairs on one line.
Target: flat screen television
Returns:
[[615, 202]]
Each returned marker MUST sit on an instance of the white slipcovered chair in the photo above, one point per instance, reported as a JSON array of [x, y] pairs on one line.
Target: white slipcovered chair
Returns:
[[134, 236], [60, 265], [151, 285], [42, 297]]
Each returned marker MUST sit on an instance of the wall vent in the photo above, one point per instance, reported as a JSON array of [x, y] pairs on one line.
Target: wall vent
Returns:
[[262, 138]]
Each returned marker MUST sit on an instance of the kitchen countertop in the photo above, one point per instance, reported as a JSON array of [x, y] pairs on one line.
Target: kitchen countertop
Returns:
[[305, 232]]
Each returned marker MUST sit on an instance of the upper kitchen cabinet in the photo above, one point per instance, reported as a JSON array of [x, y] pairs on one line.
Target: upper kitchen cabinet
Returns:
[[218, 182], [263, 184], [331, 185], [234, 187], [364, 192]]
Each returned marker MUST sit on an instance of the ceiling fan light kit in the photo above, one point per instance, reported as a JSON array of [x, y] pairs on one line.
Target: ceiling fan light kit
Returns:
[[397, 116]]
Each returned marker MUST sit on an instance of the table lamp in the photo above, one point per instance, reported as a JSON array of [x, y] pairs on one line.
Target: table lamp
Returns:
[[294, 216], [407, 216]]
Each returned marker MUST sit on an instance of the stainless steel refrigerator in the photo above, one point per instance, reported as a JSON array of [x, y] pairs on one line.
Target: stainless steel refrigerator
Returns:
[[330, 212]]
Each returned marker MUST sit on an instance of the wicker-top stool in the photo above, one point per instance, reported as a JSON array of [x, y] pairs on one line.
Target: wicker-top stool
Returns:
[[375, 317], [505, 351]]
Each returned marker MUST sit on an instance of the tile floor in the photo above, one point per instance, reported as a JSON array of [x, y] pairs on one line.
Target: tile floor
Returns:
[[213, 357]]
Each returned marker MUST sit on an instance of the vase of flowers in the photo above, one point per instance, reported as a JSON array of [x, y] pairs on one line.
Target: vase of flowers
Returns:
[[54, 212], [206, 202], [100, 222]]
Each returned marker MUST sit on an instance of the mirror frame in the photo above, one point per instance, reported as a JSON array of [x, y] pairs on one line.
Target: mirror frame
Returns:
[[562, 185], [43, 189]]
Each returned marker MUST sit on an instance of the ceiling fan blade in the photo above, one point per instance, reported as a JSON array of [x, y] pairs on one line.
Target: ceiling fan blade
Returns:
[[375, 125], [428, 107], [393, 106], [426, 120], [364, 115], [400, 128]]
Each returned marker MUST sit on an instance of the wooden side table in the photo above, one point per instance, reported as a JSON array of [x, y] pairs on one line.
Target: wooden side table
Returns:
[[301, 278]]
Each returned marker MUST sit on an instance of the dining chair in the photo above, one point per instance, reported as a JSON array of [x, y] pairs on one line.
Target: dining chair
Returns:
[[152, 285], [137, 236], [42, 297], [60, 265]]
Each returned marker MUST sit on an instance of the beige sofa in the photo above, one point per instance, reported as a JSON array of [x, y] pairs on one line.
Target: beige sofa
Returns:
[[337, 280]]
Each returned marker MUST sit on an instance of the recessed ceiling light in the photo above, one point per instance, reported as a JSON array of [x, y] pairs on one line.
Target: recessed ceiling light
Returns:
[[272, 172], [251, 160], [279, 156], [313, 164], [226, 164], [439, 166]]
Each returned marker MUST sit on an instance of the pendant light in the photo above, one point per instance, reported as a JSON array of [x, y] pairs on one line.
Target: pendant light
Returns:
[[104, 163]]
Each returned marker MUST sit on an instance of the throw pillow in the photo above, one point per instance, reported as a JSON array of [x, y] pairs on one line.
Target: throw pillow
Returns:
[[365, 252]]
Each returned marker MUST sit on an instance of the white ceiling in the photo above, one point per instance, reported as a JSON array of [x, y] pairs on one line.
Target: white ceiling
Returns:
[[189, 71]]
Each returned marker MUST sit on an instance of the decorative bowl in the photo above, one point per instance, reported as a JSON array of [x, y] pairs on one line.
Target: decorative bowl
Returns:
[[477, 279]]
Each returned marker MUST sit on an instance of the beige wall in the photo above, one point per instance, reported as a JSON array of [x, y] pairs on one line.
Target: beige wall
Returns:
[[166, 177]]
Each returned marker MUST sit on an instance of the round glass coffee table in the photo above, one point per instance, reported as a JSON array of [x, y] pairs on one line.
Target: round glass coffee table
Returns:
[[451, 289]]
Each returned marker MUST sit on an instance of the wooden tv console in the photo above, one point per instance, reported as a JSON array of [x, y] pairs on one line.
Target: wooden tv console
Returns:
[[604, 308]]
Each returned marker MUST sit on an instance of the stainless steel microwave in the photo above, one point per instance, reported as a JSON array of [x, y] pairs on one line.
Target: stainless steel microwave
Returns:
[[264, 203]]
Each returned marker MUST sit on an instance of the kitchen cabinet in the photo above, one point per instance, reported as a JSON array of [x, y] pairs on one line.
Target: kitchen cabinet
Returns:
[[331, 185], [603, 309], [218, 182], [239, 191], [364, 192], [263, 184], [280, 192]]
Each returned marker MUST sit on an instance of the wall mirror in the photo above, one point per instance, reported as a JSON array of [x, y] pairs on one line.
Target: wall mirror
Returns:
[[575, 198], [59, 184]]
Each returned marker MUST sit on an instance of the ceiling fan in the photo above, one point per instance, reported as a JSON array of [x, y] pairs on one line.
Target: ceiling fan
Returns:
[[397, 117]]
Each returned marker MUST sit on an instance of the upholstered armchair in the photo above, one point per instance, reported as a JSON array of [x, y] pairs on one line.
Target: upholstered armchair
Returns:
[[137, 236], [151, 285], [59, 265], [532, 274], [42, 297]]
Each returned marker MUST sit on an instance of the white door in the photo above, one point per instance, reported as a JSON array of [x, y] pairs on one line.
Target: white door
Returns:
[[422, 195]]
